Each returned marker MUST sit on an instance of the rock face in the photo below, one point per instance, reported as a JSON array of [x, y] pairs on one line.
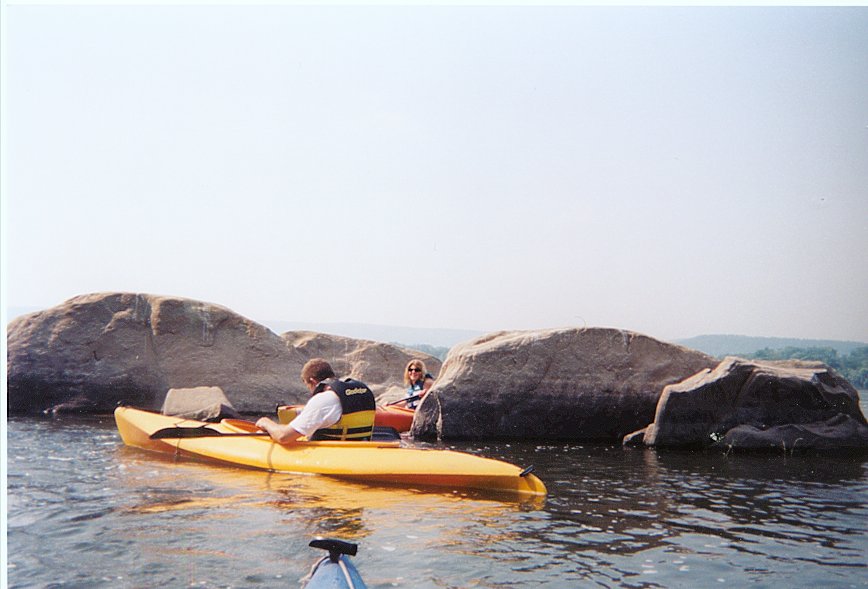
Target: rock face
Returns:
[[381, 365], [753, 406], [569, 384], [96, 350]]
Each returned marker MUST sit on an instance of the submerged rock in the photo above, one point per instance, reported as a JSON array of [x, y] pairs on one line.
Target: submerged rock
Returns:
[[94, 351], [560, 384], [745, 405]]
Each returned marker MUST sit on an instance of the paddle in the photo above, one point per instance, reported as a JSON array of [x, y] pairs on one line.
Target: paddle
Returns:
[[196, 432], [407, 400], [381, 433]]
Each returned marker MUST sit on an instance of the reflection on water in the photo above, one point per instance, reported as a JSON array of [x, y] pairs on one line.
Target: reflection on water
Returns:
[[84, 511]]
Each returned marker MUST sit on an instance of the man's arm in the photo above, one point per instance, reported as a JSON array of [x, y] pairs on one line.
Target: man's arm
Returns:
[[280, 433], [322, 410]]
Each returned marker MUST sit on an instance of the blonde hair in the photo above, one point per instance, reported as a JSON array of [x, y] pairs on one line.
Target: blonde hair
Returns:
[[414, 363]]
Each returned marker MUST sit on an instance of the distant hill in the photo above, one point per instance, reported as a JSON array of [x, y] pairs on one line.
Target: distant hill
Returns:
[[411, 337], [734, 345]]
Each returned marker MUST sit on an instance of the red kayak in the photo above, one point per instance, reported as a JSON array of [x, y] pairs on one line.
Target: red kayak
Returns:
[[399, 418]]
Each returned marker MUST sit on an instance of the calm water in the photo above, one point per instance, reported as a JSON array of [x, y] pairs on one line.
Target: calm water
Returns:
[[85, 511]]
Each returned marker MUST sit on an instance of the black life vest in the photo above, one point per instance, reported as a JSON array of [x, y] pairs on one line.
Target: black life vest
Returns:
[[358, 406]]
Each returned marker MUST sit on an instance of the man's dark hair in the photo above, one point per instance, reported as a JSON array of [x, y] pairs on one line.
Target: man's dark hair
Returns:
[[318, 369]]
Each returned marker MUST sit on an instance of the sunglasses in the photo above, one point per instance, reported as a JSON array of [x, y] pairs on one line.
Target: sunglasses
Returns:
[[414, 370]]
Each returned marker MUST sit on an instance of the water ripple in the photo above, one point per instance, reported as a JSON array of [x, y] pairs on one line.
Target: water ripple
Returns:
[[87, 511]]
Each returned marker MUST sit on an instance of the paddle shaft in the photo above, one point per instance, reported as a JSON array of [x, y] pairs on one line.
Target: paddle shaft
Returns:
[[174, 433], [407, 400]]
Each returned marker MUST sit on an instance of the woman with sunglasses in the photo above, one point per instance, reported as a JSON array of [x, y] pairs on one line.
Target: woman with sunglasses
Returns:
[[417, 380]]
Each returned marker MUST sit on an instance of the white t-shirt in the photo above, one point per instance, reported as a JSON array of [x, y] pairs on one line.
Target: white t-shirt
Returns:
[[322, 410]]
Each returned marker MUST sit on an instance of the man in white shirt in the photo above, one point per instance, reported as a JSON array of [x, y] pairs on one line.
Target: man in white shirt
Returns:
[[349, 404]]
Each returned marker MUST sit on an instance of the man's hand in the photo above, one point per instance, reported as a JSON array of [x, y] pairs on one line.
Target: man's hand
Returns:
[[282, 434]]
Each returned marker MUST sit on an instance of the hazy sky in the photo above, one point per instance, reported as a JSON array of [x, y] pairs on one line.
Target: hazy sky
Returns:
[[673, 171]]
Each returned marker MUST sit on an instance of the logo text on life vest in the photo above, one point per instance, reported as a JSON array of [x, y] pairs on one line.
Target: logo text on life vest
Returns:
[[355, 391]]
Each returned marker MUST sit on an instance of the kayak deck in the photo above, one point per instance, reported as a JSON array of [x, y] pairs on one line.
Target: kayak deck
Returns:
[[381, 462]]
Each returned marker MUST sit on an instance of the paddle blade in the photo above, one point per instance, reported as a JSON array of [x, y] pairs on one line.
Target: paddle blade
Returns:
[[184, 432]]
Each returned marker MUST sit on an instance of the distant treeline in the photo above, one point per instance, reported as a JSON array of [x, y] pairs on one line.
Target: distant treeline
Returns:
[[436, 351], [852, 366], [743, 345]]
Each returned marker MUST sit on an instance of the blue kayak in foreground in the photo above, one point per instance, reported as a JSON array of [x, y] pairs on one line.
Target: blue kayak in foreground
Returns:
[[334, 571]]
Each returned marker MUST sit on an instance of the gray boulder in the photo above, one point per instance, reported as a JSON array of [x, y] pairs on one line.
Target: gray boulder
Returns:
[[560, 384], [200, 403], [94, 351], [746, 405]]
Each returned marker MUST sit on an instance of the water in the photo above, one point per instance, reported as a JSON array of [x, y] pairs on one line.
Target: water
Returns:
[[85, 511]]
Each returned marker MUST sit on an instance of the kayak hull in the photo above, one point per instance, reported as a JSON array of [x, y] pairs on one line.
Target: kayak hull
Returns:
[[379, 462], [399, 418]]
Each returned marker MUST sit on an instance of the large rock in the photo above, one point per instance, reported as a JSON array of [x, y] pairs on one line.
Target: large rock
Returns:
[[96, 350], [745, 405], [567, 384]]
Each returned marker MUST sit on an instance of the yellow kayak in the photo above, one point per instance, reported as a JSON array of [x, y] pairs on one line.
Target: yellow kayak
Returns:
[[241, 443]]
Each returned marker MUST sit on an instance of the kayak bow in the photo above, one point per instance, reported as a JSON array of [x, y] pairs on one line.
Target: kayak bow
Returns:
[[334, 571]]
